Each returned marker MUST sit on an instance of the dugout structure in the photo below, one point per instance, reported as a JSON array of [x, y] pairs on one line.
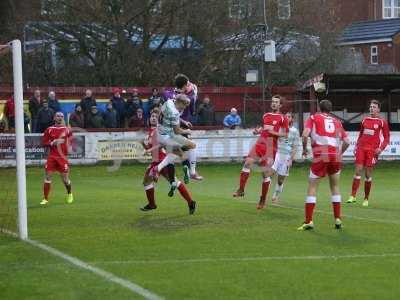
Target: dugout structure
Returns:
[[351, 93]]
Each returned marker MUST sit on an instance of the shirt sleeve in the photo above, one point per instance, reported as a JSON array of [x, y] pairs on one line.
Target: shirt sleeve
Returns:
[[361, 131], [386, 135], [226, 120], [309, 123], [343, 133]]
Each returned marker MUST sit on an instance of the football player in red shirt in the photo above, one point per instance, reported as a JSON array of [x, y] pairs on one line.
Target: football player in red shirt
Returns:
[[58, 139], [158, 154], [373, 138], [328, 141], [275, 125]]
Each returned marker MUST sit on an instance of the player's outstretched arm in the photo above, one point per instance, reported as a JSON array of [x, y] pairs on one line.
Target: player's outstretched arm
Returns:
[[306, 134]]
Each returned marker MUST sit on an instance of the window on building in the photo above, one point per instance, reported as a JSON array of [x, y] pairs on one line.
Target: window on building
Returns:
[[374, 55], [284, 9], [239, 9], [391, 9]]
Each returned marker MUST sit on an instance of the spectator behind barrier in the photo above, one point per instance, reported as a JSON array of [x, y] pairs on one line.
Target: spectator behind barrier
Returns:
[[27, 120], [137, 120], [95, 119], [86, 104], [34, 107], [9, 112], [45, 116], [232, 120], [53, 102], [110, 116], [132, 105], [155, 100], [119, 105], [205, 113], [77, 118]]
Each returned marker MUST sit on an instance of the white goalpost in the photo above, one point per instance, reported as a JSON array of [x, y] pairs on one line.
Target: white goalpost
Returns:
[[15, 48]]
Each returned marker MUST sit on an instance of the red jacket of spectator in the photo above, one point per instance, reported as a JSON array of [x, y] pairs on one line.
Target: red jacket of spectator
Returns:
[[9, 109]]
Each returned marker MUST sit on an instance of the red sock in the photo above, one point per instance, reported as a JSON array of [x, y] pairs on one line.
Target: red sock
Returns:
[[336, 209], [46, 189], [367, 188], [184, 193], [309, 209], [355, 186], [265, 188], [150, 195], [244, 175]]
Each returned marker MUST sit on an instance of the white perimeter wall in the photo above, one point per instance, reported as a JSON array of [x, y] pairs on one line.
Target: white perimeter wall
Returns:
[[221, 145]]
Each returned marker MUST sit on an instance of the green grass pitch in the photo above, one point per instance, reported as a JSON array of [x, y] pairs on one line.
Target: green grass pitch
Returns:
[[227, 250]]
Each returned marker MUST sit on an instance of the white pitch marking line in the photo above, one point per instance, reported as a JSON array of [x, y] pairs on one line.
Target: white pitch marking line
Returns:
[[83, 265], [329, 213], [261, 258]]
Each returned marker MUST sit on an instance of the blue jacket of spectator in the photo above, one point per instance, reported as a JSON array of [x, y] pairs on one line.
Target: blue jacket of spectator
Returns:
[[232, 120]]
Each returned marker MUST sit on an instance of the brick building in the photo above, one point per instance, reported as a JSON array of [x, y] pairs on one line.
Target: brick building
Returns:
[[372, 28]]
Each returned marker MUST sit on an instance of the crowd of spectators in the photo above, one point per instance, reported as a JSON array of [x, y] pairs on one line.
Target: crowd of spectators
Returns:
[[122, 111]]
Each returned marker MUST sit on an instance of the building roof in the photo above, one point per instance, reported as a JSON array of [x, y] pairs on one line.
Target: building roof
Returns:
[[370, 31]]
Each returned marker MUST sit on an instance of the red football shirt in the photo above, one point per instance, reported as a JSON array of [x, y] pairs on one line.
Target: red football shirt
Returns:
[[374, 134], [327, 133], [276, 122], [157, 154], [57, 132]]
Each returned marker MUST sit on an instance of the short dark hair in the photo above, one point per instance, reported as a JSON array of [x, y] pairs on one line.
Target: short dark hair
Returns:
[[325, 106], [156, 111], [374, 101], [181, 80]]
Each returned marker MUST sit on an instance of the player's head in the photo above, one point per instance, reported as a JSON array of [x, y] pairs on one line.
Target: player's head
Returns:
[[289, 116], [36, 93], [374, 107], [325, 106], [59, 118], [45, 104], [154, 118], [181, 102], [181, 82], [276, 103], [52, 95]]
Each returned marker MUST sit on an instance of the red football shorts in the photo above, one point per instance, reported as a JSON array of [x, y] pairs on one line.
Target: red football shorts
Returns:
[[366, 157], [58, 164], [320, 168], [163, 172], [261, 152]]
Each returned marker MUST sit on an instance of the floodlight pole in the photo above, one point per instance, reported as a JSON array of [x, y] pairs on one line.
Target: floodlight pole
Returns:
[[20, 138]]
